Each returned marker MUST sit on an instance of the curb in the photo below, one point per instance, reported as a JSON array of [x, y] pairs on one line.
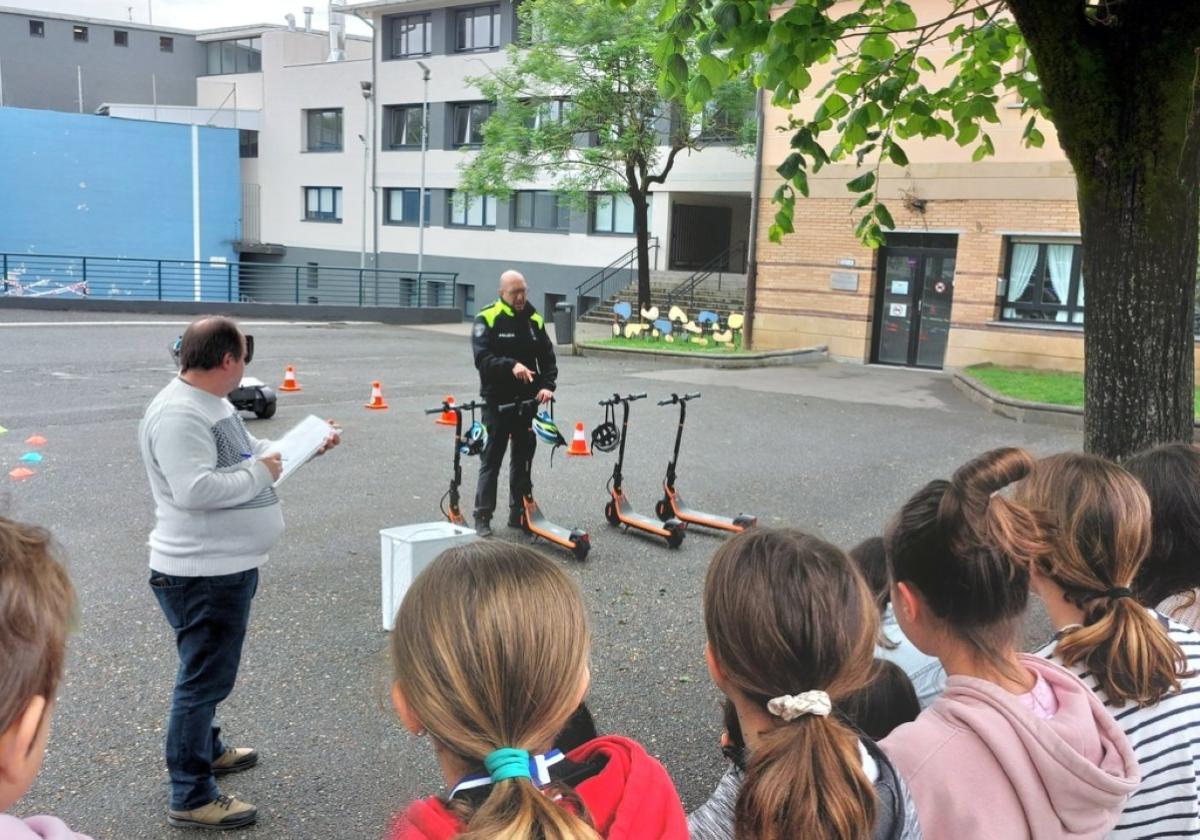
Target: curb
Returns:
[[769, 358], [1022, 411]]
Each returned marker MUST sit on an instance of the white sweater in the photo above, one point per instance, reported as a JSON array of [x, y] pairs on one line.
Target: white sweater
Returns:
[[216, 509]]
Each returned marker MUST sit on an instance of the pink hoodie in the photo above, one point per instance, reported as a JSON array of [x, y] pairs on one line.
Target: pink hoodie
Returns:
[[981, 765], [36, 828]]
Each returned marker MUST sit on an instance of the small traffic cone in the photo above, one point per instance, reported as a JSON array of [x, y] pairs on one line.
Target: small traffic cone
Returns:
[[20, 474], [579, 444], [447, 417], [36, 440], [289, 380], [377, 402]]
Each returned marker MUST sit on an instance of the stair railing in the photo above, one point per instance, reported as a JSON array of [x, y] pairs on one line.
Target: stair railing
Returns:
[[614, 277], [718, 266]]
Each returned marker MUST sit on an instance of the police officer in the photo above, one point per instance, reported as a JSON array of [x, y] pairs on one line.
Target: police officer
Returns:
[[515, 360]]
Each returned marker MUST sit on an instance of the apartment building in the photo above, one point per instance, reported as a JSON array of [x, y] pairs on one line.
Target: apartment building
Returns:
[[336, 168], [71, 63]]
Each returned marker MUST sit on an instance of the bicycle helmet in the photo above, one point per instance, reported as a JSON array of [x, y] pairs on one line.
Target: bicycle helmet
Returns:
[[176, 345], [545, 428], [474, 440], [607, 436]]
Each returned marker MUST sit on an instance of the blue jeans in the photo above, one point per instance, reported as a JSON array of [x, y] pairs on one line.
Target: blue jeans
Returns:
[[209, 617]]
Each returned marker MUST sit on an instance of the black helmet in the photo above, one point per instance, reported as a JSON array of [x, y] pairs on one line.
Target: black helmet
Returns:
[[607, 436]]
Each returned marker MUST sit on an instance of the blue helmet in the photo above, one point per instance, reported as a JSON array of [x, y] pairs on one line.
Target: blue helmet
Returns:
[[474, 440], [545, 428]]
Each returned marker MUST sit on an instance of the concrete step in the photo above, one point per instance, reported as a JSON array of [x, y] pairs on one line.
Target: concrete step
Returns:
[[729, 300]]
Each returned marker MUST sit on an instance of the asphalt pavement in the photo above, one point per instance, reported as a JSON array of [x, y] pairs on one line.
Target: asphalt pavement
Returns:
[[831, 448]]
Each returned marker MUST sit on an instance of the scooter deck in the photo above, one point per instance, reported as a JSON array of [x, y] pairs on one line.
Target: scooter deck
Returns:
[[708, 520], [537, 523], [633, 519]]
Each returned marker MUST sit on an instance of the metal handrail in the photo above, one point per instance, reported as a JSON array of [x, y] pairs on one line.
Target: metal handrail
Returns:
[[133, 278], [601, 279], [717, 265]]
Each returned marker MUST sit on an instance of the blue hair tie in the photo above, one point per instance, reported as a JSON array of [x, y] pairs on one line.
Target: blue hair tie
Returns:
[[508, 763]]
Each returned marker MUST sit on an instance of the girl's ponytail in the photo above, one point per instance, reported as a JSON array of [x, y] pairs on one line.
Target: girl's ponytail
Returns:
[[1102, 520]]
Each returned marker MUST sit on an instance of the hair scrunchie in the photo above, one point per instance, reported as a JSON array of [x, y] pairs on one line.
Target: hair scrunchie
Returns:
[[508, 763], [792, 706], [1118, 592]]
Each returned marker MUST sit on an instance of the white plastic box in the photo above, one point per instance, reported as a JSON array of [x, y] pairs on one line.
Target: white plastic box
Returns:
[[408, 549]]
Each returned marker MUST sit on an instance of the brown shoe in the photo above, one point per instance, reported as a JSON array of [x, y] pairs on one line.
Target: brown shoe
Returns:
[[223, 813], [235, 760]]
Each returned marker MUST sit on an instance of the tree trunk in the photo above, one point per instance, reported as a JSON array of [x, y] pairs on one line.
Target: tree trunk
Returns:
[[641, 226], [1123, 93]]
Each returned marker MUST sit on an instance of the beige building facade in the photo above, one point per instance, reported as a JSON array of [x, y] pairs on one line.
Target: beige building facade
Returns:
[[983, 266]]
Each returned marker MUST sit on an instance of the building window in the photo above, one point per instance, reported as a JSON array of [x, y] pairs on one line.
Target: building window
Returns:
[[166, 44], [469, 118], [401, 208], [472, 210], [612, 213], [323, 128], [477, 29], [410, 36], [80, 33], [37, 29], [1044, 283], [322, 204], [540, 210], [120, 38], [242, 56], [403, 126], [247, 143], [547, 112]]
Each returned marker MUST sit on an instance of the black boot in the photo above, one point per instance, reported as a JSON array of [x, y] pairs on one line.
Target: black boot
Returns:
[[483, 527]]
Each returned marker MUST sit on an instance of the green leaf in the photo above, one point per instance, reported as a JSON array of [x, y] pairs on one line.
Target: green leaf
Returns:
[[715, 70], [967, 132], [884, 217], [790, 166], [800, 179], [878, 47], [864, 199], [925, 64], [699, 92], [834, 107], [677, 69], [849, 83], [862, 182], [897, 155]]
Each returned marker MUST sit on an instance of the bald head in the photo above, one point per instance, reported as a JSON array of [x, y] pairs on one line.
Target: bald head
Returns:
[[513, 289]]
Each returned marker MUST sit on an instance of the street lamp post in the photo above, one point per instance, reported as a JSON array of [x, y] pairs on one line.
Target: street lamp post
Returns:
[[367, 92], [421, 194]]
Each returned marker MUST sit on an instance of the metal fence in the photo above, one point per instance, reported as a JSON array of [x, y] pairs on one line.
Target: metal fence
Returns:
[[29, 275]]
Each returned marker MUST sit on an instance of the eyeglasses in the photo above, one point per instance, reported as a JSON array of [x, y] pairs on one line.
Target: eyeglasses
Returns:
[[249, 349]]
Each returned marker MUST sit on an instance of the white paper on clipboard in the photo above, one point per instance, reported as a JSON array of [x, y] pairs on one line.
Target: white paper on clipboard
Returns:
[[300, 444]]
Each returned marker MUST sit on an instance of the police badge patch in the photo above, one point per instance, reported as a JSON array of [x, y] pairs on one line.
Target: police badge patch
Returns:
[[479, 328]]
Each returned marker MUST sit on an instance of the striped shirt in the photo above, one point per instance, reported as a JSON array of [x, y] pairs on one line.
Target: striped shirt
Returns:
[[1166, 740]]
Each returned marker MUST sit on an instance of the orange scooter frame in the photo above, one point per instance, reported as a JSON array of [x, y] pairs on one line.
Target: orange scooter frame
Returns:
[[454, 514], [618, 510], [534, 522], [672, 504]]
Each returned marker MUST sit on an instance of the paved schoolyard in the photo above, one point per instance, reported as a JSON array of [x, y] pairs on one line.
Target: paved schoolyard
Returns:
[[826, 447]]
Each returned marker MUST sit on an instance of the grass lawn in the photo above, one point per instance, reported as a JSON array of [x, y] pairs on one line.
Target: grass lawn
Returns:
[[1045, 386], [734, 346]]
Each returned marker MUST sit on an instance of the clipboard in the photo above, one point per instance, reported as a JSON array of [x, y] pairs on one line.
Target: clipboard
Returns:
[[300, 444]]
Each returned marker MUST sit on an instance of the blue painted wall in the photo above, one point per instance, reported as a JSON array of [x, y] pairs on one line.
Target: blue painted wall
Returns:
[[83, 185]]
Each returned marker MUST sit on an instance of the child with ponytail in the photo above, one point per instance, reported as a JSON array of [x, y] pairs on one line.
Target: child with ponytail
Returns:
[[791, 631], [1132, 658], [490, 650], [1016, 748]]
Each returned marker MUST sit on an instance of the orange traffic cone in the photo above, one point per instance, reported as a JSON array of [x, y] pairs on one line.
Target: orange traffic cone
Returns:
[[289, 380], [377, 402], [36, 440], [447, 417], [20, 474], [579, 442]]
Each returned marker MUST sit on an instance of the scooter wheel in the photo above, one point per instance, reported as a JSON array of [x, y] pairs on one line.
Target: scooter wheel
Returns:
[[676, 538], [662, 510], [610, 513], [582, 547]]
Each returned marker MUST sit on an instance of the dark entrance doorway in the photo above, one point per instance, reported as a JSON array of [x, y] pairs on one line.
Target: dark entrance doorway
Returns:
[[914, 292], [699, 233]]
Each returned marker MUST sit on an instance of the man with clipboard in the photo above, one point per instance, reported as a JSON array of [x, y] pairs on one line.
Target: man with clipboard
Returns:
[[217, 515]]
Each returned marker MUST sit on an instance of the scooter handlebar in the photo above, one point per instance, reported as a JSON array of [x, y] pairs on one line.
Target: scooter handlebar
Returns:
[[617, 398], [676, 398], [506, 407], [457, 408]]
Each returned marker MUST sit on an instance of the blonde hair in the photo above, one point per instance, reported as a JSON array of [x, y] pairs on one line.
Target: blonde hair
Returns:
[[786, 612], [1103, 522], [490, 648], [37, 608]]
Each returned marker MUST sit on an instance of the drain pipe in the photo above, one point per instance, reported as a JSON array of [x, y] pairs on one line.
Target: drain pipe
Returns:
[[376, 132], [752, 248]]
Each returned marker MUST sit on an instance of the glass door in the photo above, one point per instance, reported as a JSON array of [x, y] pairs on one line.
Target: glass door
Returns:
[[913, 311]]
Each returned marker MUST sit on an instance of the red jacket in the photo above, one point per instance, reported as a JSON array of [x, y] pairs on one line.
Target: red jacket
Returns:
[[631, 798]]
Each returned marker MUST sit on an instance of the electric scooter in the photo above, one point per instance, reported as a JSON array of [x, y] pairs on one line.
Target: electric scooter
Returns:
[[454, 514], [533, 521], [672, 504], [618, 510]]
